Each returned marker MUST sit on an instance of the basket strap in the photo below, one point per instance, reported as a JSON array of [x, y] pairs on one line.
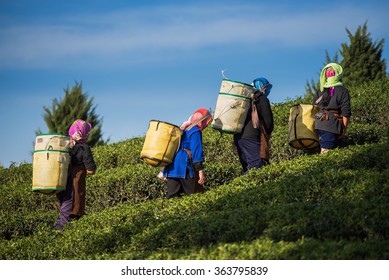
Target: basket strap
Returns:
[[198, 121]]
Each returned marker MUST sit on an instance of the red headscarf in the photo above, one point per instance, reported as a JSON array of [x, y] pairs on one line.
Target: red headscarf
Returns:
[[201, 117]]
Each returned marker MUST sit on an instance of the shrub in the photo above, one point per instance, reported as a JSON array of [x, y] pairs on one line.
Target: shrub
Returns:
[[302, 206]]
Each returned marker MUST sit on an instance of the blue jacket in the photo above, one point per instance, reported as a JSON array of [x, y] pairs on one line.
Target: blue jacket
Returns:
[[181, 164]]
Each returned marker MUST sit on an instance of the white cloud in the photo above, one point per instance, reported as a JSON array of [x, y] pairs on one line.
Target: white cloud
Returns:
[[159, 32]]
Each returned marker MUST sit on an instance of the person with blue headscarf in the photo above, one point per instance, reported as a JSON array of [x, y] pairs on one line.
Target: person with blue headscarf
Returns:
[[253, 142]]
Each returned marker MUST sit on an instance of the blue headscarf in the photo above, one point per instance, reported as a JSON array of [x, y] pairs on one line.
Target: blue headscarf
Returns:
[[260, 83]]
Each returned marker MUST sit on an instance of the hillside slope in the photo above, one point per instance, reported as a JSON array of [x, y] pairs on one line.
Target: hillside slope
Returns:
[[301, 206]]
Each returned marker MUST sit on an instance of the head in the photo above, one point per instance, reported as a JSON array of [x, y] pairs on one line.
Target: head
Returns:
[[330, 76], [263, 85], [79, 131], [202, 115]]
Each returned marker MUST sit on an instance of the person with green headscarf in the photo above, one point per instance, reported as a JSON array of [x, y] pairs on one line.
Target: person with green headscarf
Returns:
[[333, 100]]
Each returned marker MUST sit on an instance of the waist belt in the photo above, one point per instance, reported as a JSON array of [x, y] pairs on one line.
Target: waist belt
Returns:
[[326, 114]]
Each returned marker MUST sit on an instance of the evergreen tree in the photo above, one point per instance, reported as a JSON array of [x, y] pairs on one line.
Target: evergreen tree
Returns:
[[362, 59], [75, 105]]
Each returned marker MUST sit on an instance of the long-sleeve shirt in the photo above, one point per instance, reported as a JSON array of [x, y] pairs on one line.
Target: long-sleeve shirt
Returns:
[[181, 165], [265, 114], [81, 154], [340, 102]]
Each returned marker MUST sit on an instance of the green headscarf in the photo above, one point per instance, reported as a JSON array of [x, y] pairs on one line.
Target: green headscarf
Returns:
[[331, 81]]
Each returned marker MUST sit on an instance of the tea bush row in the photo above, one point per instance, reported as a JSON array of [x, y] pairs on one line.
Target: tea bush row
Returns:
[[281, 204], [328, 205]]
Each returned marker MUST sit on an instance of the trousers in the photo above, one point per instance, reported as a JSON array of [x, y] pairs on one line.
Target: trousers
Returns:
[[72, 199], [249, 152]]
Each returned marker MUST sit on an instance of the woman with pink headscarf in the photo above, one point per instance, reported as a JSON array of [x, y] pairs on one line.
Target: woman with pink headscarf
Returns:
[[186, 173], [72, 200]]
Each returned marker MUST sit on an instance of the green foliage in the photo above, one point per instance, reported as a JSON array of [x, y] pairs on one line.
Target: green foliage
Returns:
[[119, 154], [362, 59], [367, 103], [370, 122], [75, 105], [302, 205], [129, 183]]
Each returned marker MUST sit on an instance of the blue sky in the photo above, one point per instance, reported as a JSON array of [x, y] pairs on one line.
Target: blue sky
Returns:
[[144, 60]]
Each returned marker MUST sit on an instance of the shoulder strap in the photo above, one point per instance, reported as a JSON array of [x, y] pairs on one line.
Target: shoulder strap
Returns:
[[254, 115], [198, 121], [319, 99]]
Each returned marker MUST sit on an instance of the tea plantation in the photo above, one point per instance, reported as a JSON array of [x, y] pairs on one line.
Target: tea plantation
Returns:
[[302, 206]]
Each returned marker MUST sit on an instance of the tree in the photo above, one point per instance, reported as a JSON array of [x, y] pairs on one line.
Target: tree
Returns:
[[362, 59], [75, 105]]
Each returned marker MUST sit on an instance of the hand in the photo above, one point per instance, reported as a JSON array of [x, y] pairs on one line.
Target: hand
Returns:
[[91, 172], [161, 177]]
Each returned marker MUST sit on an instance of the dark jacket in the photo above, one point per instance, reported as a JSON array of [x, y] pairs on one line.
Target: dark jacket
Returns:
[[81, 154], [338, 104], [265, 114]]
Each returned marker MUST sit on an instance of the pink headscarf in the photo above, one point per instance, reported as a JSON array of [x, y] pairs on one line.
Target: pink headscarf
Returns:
[[330, 72], [79, 131], [202, 116]]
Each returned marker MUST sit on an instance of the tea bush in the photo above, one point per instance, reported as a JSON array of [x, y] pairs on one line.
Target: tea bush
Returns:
[[130, 183], [292, 206], [301, 206], [367, 101], [119, 154]]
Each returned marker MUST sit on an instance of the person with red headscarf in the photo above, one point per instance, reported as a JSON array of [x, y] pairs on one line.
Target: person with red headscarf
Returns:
[[72, 200], [186, 173]]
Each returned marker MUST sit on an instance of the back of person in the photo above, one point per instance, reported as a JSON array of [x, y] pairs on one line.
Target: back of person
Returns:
[[190, 140], [253, 142], [81, 154], [186, 173], [72, 200], [265, 115]]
